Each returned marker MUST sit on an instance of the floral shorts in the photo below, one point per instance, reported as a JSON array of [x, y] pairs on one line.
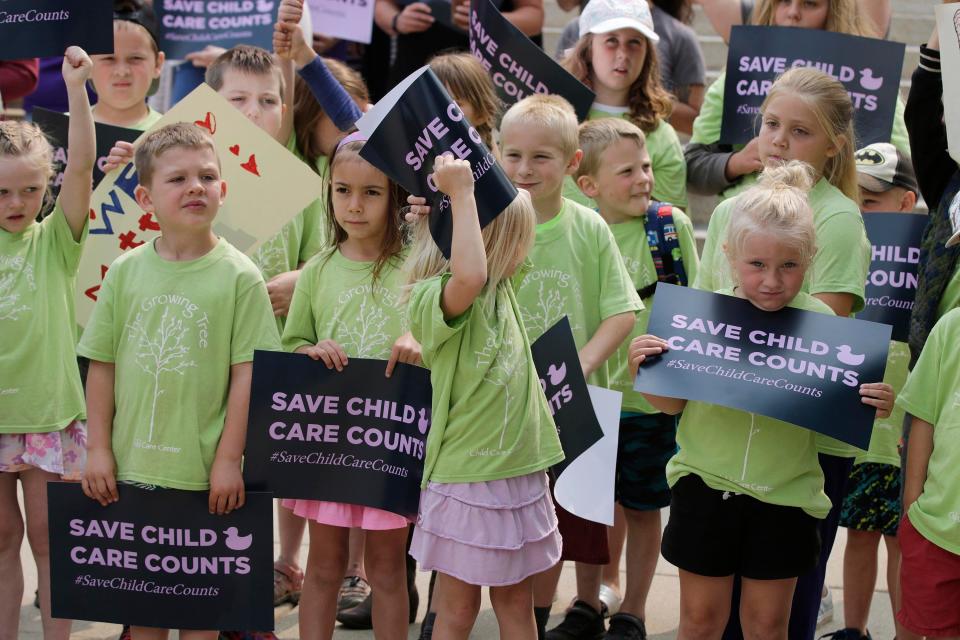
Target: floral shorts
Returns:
[[62, 452]]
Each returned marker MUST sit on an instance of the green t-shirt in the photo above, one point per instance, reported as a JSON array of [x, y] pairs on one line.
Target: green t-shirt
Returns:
[[173, 330], [335, 299], [40, 387], [707, 126], [577, 272], [840, 266], [666, 158], [300, 239], [732, 450], [149, 120], [631, 237], [951, 294], [490, 419], [884, 443], [932, 393]]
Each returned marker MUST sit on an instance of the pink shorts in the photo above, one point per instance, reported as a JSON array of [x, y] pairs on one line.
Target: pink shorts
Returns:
[[339, 514], [62, 452], [930, 586]]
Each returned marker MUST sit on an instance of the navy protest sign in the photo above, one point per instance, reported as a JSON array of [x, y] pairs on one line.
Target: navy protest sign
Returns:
[[413, 124], [869, 68], [159, 558], [351, 436], [190, 25], [797, 366], [892, 280], [42, 28], [561, 378], [56, 126], [516, 65]]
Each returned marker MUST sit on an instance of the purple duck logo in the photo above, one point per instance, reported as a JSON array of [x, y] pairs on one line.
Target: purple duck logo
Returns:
[[236, 542]]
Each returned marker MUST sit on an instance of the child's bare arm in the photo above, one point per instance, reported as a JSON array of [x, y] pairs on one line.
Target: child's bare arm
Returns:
[[226, 478], [468, 261], [99, 475], [841, 303], [81, 141], [919, 448], [641, 348], [606, 340]]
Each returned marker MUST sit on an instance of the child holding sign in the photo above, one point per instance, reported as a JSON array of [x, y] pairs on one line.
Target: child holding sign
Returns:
[[41, 399], [739, 506], [486, 517], [171, 340], [347, 304], [616, 56]]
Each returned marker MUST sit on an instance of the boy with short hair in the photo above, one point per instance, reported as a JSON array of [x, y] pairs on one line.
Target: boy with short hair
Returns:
[[886, 178], [578, 272], [657, 244], [172, 336]]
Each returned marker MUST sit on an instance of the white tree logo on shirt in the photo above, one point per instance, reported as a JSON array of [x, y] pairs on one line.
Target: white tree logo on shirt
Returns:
[[504, 360], [365, 335], [164, 352], [746, 454], [271, 257], [10, 305], [551, 302]]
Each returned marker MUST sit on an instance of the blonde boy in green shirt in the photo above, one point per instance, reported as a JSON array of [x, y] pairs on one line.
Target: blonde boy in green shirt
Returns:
[[616, 173]]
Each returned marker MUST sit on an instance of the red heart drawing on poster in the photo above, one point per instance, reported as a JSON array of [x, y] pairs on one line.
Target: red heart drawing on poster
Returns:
[[235, 149], [251, 165], [209, 123]]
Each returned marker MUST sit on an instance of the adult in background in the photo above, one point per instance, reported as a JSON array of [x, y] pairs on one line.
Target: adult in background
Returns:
[[724, 14]]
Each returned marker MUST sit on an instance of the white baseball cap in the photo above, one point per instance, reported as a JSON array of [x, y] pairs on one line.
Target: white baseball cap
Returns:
[[604, 16]]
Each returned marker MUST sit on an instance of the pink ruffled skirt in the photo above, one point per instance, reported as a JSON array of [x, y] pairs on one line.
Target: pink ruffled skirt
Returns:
[[492, 533], [62, 452], [339, 514]]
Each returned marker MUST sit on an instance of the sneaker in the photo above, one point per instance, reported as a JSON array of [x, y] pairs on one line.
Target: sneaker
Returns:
[[353, 591], [825, 613], [610, 598], [582, 622], [847, 634], [626, 626]]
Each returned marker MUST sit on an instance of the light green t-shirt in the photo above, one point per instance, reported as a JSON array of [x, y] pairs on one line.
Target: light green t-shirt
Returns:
[[40, 387], [951, 294], [932, 393], [631, 237], [151, 119], [732, 450], [885, 440], [577, 272], [299, 239], [173, 330], [840, 266], [490, 419], [335, 299], [707, 126], [666, 158]]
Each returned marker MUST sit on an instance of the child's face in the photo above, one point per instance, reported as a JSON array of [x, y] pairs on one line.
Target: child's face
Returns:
[[22, 185], [623, 182], [790, 131], [469, 111], [361, 199], [806, 14], [617, 58], [185, 191], [769, 272], [534, 161], [122, 79], [257, 96], [895, 199]]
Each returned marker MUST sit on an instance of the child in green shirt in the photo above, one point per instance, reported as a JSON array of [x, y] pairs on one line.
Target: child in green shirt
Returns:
[[172, 336], [616, 173], [739, 506], [42, 435]]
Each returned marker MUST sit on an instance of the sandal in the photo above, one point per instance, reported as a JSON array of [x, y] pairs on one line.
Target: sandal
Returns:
[[287, 583]]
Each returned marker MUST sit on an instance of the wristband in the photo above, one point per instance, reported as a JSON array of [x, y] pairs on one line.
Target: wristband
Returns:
[[393, 23]]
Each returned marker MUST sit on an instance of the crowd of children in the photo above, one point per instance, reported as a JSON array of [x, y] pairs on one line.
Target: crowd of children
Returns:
[[755, 502]]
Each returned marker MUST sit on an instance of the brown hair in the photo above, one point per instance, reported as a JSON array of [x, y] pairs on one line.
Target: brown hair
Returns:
[[648, 102], [172, 136], [307, 112], [843, 16], [244, 59], [597, 135], [466, 79], [392, 245]]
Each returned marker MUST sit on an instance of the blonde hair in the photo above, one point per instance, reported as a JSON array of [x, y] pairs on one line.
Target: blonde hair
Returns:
[[19, 139], [843, 16], [833, 110], [173, 136], [550, 112], [597, 135], [507, 236], [466, 79], [243, 58], [648, 102], [777, 205], [307, 112]]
